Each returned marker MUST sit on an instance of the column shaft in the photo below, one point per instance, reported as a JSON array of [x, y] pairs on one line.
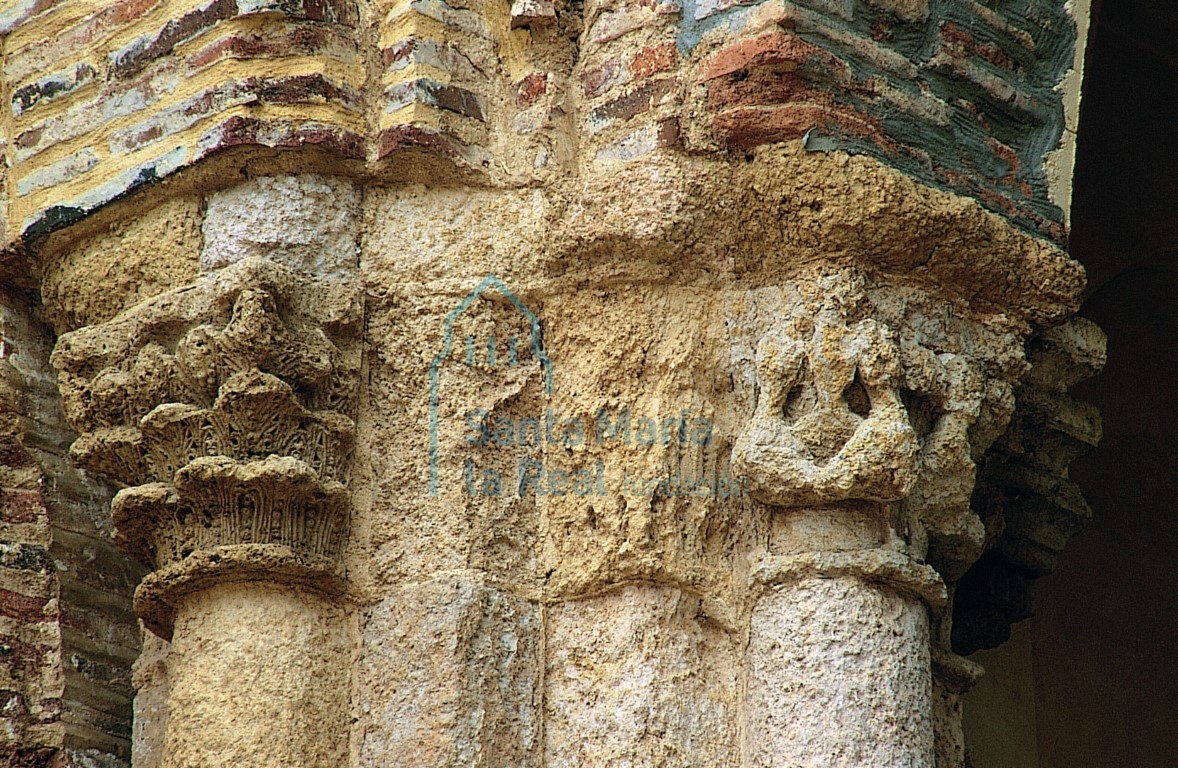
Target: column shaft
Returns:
[[255, 680], [838, 677]]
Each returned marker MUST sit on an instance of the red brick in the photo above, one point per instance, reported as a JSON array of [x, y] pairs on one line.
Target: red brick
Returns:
[[21, 506], [400, 50], [280, 90], [51, 87], [961, 44], [669, 133], [343, 12], [636, 102], [404, 137], [29, 757], [44, 54], [13, 454], [247, 131], [19, 656], [751, 126], [36, 9], [773, 47], [762, 86], [134, 58], [1006, 153], [596, 81], [24, 608], [655, 59], [531, 87], [301, 40]]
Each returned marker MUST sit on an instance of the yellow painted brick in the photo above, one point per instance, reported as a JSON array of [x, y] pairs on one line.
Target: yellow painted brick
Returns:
[[221, 73], [465, 129], [415, 71], [422, 115], [50, 24], [413, 24], [154, 21], [47, 109], [24, 207]]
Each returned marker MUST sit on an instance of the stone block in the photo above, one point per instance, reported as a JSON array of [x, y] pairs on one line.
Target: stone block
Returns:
[[449, 677], [639, 676]]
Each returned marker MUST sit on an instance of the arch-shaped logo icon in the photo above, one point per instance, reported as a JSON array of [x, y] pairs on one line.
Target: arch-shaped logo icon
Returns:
[[488, 282]]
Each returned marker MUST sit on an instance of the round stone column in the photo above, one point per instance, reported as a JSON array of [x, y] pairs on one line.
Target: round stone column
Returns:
[[838, 669], [838, 658], [256, 679]]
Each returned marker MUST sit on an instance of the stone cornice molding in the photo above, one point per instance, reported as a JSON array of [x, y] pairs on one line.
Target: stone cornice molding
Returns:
[[882, 566]]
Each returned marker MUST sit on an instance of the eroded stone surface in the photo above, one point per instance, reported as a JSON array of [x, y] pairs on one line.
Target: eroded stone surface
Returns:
[[222, 406], [307, 222], [226, 407], [639, 676], [264, 350], [450, 675], [294, 701], [846, 687], [112, 271], [829, 425], [151, 701]]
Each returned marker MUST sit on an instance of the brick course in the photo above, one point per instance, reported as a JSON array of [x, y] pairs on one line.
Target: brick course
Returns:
[[961, 95]]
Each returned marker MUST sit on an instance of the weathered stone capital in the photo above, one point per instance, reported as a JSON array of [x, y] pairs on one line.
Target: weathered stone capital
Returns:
[[829, 424], [1028, 503], [874, 391], [226, 409]]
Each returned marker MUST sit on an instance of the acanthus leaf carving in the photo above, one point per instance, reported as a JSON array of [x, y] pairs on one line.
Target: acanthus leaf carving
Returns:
[[225, 408]]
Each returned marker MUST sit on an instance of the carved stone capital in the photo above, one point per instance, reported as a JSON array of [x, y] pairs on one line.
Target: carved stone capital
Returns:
[[225, 408], [1029, 504], [829, 425], [879, 393], [876, 398]]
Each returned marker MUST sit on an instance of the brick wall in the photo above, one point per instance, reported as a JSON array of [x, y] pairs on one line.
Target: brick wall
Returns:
[[67, 637], [31, 683], [960, 94], [104, 100]]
